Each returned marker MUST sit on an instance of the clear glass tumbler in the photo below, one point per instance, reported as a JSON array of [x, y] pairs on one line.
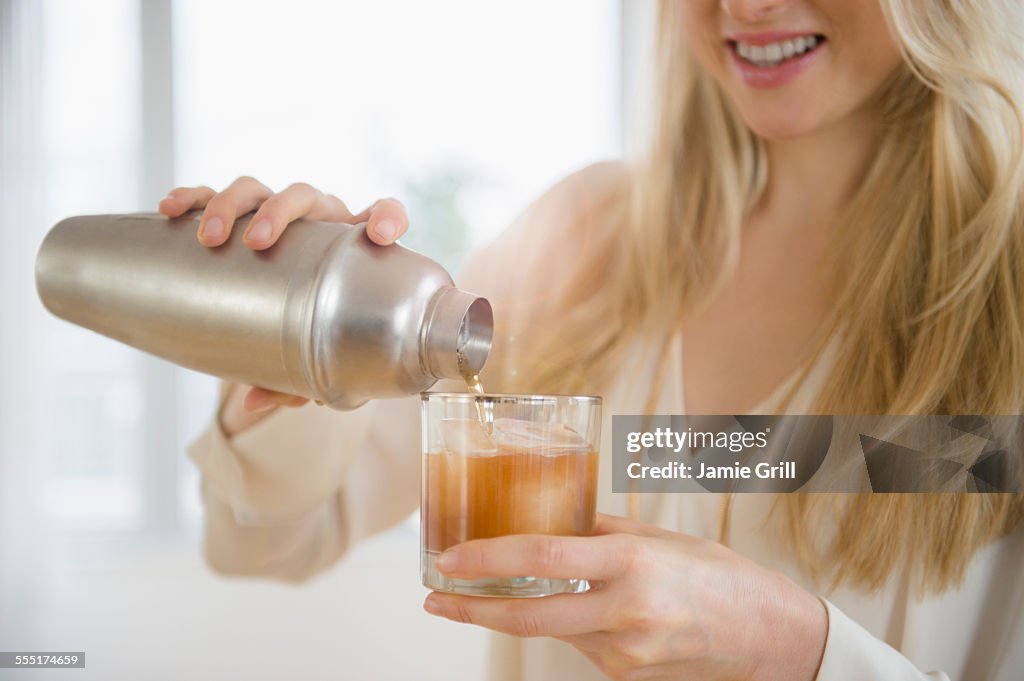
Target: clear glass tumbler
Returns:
[[495, 465]]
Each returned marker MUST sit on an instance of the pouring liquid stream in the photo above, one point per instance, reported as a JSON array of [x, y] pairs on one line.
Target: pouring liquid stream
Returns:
[[474, 384]]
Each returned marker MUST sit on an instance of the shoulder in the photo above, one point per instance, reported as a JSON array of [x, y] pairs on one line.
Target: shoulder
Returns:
[[573, 203], [556, 226], [595, 184], [551, 256]]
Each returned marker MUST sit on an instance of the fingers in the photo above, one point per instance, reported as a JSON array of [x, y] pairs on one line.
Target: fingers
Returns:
[[260, 399], [538, 555], [241, 197], [299, 200], [559, 615], [183, 199], [386, 221]]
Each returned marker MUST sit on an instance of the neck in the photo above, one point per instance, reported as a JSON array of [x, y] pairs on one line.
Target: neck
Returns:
[[813, 177]]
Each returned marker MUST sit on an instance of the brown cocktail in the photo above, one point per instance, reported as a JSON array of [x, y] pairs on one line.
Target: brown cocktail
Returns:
[[496, 465]]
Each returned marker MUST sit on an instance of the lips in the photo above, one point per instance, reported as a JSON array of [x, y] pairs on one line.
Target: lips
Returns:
[[769, 60]]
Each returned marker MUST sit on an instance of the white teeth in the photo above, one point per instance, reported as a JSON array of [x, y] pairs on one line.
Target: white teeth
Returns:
[[774, 53]]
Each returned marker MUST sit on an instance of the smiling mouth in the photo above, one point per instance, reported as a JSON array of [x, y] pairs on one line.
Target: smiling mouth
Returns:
[[773, 54]]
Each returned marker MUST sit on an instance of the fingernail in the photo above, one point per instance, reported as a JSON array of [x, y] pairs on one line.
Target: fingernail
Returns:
[[261, 231], [431, 606], [446, 561], [386, 229], [214, 228], [169, 197]]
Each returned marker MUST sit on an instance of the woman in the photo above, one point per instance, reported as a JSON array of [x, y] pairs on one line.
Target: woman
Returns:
[[829, 220]]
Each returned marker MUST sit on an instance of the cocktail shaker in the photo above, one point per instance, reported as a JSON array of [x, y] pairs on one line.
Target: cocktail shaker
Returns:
[[324, 313]]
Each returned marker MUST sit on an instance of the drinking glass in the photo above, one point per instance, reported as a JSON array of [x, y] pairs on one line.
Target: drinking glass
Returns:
[[496, 465]]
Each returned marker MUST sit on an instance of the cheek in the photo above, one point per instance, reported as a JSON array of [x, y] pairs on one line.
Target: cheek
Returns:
[[881, 59], [865, 70], [868, 54], [700, 32]]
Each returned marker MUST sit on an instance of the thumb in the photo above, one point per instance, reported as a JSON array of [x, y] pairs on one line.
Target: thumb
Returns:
[[261, 399]]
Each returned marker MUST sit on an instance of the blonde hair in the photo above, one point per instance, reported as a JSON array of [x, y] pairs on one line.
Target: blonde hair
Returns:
[[928, 309]]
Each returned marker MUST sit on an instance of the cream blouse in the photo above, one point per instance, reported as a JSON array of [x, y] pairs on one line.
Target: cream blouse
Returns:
[[288, 496]]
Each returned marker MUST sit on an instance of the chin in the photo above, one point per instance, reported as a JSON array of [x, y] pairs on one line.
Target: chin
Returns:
[[781, 125]]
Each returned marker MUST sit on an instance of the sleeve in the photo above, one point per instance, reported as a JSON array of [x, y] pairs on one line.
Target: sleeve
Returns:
[[853, 654], [286, 497]]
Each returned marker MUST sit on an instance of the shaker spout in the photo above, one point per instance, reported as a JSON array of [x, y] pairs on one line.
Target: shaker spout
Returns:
[[457, 339]]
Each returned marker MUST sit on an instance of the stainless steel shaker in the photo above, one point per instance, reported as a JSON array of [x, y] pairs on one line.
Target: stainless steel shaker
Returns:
[[324, 313]]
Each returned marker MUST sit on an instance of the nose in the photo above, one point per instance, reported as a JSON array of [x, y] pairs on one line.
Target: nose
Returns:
[[749, 11]]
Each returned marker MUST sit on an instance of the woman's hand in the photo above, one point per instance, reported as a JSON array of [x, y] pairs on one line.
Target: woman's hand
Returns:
[[386, 221], [662, 605]]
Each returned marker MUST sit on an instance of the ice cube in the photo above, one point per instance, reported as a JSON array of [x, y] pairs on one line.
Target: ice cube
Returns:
[[547, 506], [467, 437], [519, 434]]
